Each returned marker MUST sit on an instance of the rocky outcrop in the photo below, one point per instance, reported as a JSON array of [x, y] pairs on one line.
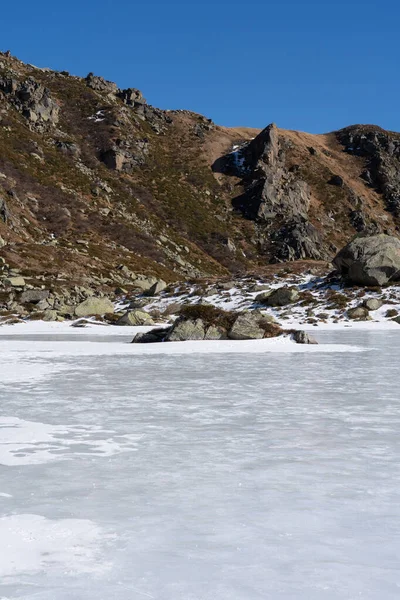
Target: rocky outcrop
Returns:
[[68, 148], [370, 261], [204, 322], [382, 152], [271, 188], [99, 84], [134, 99], [125, 156], [278, 198], [203, 126], [33, 100], [297, 239]]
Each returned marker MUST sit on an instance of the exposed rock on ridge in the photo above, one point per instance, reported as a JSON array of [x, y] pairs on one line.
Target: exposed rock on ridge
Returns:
[[279, 199], [382, 151], [98, 188]]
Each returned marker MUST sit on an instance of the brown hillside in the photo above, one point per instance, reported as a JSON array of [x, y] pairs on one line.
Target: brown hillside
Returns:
[[92, 178]]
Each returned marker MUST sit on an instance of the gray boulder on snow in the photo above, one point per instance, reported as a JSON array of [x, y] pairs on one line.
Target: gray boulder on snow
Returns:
[[281, 296], [187, 330], [359, 313], [370, 261], [135, 318], [246, 327], [94, 306], [373, 303], [158, 287], [150, 337], [302, 337]]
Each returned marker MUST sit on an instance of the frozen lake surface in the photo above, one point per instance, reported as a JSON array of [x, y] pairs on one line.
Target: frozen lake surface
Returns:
[[231, 476]]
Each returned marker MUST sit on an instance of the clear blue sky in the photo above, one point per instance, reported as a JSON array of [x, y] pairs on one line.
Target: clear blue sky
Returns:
[[313, 66]]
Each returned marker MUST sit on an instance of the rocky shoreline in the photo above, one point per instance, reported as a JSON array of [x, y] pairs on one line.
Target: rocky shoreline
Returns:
[[363, 288]]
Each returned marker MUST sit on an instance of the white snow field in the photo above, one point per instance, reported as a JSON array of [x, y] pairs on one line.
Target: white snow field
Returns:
[[256, 470]]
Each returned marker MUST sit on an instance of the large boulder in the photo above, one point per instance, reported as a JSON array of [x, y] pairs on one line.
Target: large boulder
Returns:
[[155, 289], [282, 296], [302, 337], [16, 281], [33, 296], [185, 330], [373, 303], [150, 337], [214, 332], [94, 306], [135, 318], [247, 327], [359, 313], [145, 283], [372, 260], [50, 315]]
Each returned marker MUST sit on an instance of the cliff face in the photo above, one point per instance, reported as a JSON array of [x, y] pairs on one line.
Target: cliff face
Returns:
[[93, 179]]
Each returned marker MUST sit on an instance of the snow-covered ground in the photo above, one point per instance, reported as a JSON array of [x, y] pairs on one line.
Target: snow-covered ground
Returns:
[[324, 313], [200, 471]]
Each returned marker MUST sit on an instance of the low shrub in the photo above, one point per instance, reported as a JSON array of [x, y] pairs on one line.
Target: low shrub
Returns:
[[270, 329], [336, 300], [210, 315]]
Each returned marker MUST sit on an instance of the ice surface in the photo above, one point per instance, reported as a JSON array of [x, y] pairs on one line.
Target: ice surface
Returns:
[[26, 443], [32, 543], [223, 476]]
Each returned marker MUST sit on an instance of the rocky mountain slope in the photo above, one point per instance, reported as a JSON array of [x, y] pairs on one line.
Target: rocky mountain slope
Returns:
[[98, 188]]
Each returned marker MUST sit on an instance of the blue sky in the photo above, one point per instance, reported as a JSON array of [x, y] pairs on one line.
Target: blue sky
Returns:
[[313, 66]]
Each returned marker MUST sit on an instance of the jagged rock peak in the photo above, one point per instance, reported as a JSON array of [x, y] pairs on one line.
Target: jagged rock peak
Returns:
[[264, 147]]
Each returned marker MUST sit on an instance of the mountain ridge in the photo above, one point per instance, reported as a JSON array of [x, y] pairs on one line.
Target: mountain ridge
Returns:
[[95, 182]]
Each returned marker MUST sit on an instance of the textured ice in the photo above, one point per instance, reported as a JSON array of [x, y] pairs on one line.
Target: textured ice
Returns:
[[32, 543], [241, 476], [26, 442]]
